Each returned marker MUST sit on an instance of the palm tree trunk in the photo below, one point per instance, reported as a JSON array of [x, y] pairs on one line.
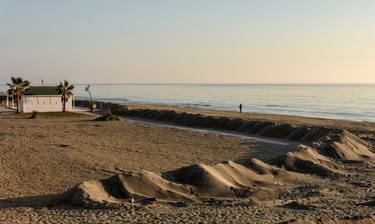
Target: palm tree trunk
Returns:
[[64, 103], [18, 104]]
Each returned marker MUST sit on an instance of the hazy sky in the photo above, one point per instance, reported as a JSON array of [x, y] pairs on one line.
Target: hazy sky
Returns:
[[194, 41]]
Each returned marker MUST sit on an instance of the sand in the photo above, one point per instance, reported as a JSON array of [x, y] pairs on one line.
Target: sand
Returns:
[[73, 170], [352, 126], [279, 126], [196, 183], [248, 178]]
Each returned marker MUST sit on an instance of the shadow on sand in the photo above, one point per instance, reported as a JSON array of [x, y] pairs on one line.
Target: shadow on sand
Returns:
[[38, 201]]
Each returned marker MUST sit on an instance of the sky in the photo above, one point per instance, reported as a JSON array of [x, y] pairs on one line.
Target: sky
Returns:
[[188, 41]]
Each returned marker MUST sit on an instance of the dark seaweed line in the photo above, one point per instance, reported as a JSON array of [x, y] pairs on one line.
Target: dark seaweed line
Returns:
[[298, 133]]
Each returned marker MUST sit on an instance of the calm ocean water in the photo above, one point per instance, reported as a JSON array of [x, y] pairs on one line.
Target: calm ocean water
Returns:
[[352, 102]]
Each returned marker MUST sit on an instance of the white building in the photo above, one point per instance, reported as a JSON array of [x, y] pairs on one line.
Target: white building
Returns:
[[42, 99]]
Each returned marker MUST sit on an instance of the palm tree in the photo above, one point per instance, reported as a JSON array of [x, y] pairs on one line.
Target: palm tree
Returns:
[[92, 104], [65, 89], [87, 89], [17, 88]]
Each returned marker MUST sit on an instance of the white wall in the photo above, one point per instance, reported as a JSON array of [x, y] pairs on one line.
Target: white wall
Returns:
[[44, 104]]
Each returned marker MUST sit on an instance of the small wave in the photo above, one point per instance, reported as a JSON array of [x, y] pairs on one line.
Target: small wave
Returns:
[[115, 99], [274, 105], [197, 104]]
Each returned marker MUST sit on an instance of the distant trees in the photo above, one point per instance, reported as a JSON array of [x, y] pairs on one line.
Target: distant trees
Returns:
[[65, 89], [17, 89]]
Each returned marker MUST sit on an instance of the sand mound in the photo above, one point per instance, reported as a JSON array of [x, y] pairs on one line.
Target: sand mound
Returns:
[[345, 146], [321, 158], [230, 180], [89, 194], [123, 187], [308, 160], [277, 130], [264, 128], [300, 133], [195, 183]]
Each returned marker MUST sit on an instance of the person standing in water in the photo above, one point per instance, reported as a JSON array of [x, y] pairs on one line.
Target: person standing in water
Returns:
[[240, 106]]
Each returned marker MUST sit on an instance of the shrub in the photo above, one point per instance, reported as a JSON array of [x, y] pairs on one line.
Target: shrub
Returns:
[[34, 114], [108, 117]]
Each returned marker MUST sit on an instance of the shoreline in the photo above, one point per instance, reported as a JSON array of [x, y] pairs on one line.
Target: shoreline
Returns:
[[350, 125]]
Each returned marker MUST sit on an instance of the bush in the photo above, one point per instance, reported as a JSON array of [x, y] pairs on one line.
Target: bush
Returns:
[[34, 114], [108, 117]]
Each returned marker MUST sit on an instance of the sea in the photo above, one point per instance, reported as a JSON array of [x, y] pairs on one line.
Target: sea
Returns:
[[349, 102]]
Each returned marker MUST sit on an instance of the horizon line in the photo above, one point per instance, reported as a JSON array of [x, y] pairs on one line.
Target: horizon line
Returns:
[[197, 83]]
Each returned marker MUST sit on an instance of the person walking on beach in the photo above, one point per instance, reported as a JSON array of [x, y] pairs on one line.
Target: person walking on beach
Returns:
[[240, 106]]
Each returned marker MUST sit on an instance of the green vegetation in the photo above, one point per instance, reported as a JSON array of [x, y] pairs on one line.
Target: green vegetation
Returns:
[[34, 114], [108, 117], [17, 88], [65, 89]]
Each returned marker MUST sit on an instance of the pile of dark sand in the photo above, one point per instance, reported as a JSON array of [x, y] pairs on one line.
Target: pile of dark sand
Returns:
[[263, 128]]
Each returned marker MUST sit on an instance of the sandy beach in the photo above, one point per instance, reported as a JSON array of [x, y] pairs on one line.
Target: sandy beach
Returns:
[[43, 158], [202, 112]]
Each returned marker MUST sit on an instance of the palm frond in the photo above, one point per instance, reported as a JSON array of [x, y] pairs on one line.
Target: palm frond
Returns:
[[13, 79]]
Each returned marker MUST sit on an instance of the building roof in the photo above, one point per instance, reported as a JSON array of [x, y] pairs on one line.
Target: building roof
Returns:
[[42, 91]]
